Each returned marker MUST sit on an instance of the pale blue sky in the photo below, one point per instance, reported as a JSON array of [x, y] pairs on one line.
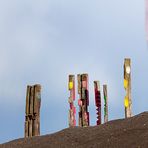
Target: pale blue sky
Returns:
[[42, 41]]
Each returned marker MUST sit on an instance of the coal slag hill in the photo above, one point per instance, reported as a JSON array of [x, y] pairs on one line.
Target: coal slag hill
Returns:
[[122, 133]]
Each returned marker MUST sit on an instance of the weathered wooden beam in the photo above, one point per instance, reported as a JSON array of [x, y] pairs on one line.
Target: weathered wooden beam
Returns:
[[127, 86], [37, 99], [27, 99], [26, 128], [31, 100], [30, 128], [105, 103], [83, 101], [98, 101], [32, 117], [72, 111]]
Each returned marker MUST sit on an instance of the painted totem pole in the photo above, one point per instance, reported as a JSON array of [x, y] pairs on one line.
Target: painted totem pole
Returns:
[[72, 111], [127, 86], [83, 101], [98, 101], [105, 103]]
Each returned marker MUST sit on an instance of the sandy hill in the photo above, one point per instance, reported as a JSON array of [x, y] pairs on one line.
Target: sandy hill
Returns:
[[122, 133]]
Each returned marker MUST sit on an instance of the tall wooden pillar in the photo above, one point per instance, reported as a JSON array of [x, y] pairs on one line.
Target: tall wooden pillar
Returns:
[[105, 103], [32, 118], [83, 101], [127, 86], [98, 100], [72, 111]]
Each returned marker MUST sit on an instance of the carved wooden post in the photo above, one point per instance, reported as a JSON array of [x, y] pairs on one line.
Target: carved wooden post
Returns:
[[32, 118], [98, 100], [105, 103], [72, 111], [127, 86], [83, 101]]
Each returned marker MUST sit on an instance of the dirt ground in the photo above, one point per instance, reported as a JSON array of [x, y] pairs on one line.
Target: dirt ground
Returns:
[[122, 133]]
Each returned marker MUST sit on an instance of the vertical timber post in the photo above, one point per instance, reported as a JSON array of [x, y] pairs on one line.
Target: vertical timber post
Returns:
[[72, 111], [127, 86], [32, 118], [83, 101], [80, 101], [98, 100], [105, 103]]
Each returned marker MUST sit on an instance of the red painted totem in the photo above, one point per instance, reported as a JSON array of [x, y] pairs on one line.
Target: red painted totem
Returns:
[[83, 101], [98, 101]]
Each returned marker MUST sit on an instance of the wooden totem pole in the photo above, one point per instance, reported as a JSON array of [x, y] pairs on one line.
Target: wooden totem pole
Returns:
[[98, 100], [32, 119], [105, 103], [127, 86], [83, 101], [72, 111]]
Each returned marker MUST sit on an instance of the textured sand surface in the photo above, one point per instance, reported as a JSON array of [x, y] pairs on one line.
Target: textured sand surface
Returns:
[[122, 133]]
